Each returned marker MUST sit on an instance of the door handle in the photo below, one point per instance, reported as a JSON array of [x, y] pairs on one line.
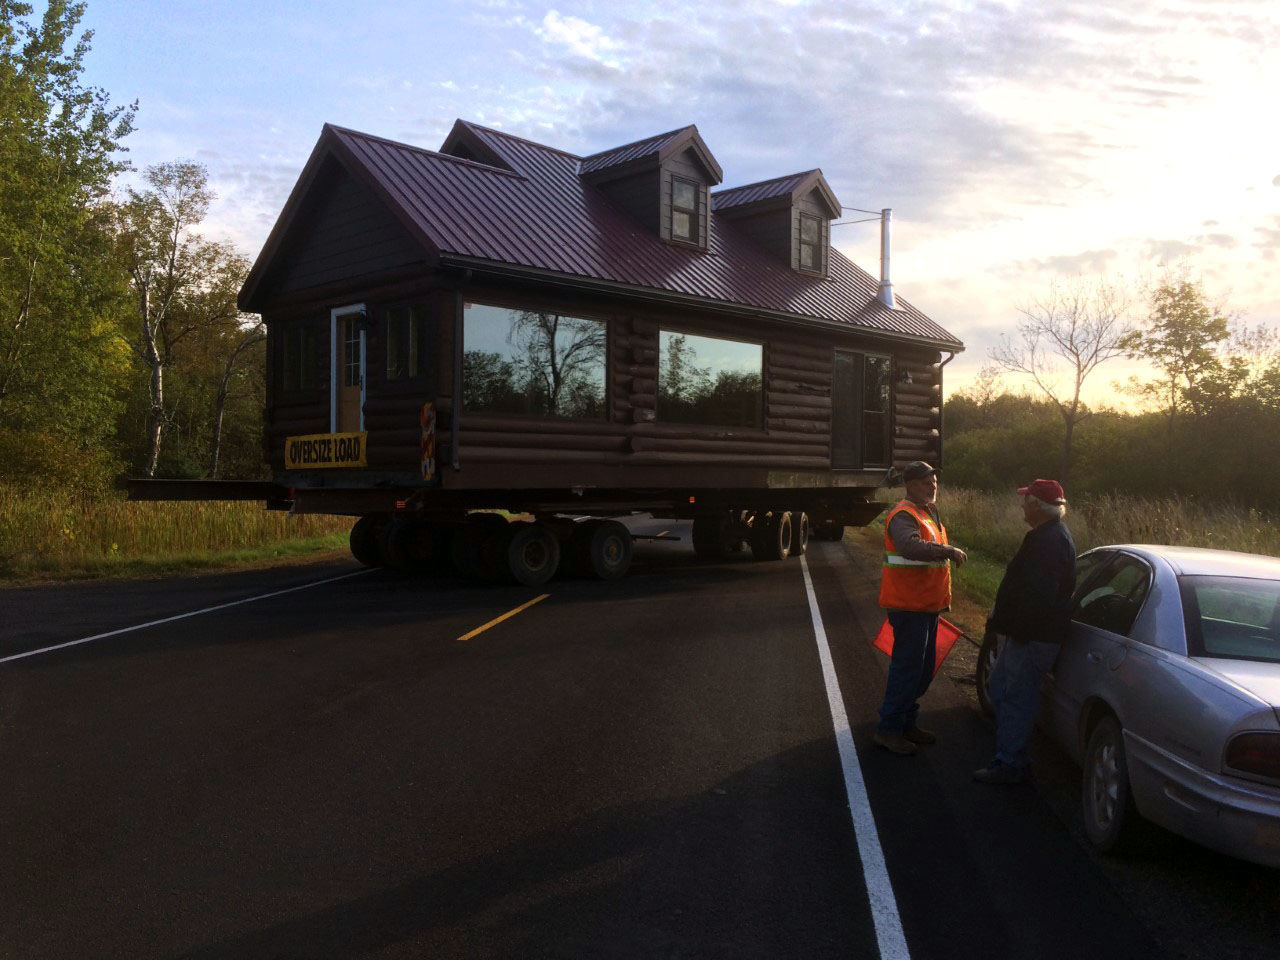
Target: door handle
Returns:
[[1093, 657]]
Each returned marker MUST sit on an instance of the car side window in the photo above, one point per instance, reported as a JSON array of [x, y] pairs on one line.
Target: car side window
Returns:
[[1088, 564], [1112, 599]]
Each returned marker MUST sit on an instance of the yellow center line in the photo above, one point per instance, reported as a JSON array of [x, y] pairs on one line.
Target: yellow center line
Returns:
[[497, 620]]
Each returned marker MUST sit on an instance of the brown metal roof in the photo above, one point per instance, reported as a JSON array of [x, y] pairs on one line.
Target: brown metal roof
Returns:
[[648, 147], [544, 217], [754, 192]]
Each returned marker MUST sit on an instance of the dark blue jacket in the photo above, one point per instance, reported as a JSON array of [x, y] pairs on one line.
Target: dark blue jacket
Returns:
[[1034, 598]]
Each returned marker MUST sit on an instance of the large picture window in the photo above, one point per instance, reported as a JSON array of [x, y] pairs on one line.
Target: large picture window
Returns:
[[406, 341], [710, 381], [532, 362], [299, 355]]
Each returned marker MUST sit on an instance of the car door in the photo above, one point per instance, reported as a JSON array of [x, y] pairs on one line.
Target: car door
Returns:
[[1108, 600]]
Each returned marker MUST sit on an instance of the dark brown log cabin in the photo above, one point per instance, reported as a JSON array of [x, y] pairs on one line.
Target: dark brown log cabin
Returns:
[[579, 335]]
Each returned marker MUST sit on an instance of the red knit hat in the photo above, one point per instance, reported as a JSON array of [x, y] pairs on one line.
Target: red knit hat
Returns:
[[1049, 491]]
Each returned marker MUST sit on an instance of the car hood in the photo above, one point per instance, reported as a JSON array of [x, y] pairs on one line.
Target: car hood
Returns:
[[1260, 679]]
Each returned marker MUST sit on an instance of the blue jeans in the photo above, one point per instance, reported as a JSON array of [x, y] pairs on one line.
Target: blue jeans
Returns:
[[1015, 693], [915, 645]]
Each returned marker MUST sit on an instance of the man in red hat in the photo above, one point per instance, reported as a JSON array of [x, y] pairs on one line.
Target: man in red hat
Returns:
[[1031, 614]]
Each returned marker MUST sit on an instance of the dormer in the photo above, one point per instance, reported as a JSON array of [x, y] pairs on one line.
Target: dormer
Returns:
[[788, 216], [467, 142], [663, 182]]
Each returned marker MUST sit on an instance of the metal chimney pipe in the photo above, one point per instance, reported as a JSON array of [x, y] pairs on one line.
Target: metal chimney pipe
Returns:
[[886, 230]]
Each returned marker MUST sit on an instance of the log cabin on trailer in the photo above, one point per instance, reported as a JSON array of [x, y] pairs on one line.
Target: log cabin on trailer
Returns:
[[502, 325]]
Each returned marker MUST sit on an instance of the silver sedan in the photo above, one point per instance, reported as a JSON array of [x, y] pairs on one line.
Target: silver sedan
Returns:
[[1167, 693]]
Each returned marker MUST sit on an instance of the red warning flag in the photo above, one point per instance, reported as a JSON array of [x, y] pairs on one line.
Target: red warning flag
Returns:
[[948, 634]]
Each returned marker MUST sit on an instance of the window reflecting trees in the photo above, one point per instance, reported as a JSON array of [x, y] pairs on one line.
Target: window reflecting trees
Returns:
[[711, 381], [532, 362]]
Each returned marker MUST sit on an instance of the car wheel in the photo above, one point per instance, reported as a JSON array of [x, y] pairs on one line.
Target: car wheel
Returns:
[[987, 657], [1107, 802]]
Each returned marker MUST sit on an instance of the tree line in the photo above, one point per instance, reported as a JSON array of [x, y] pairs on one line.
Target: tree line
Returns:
[[1201, 425], [122, 351]]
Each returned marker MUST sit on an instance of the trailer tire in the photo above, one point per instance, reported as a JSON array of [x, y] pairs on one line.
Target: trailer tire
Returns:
[[478, 545], [799, 533], [604, 549], [415, 546], [771, 536], [532, 554], [710, 537], [366, 538]]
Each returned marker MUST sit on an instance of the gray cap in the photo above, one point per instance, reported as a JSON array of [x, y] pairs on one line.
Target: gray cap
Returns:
[[917, 470]]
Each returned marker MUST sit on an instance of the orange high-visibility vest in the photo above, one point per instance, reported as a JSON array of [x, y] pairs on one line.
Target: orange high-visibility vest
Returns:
[[923, 585]]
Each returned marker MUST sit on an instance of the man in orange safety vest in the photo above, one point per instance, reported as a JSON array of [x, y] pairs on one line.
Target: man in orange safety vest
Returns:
[[915, 587]]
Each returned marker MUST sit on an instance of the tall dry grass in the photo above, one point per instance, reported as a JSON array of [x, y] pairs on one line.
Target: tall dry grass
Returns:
[[993, 524], [53, 532]]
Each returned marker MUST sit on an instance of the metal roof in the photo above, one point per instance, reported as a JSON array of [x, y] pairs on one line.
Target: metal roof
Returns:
[[650, 146], [543, 216], [764, 190]]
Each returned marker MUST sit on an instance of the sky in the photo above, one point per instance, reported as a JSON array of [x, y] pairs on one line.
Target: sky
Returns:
[[1018, 144]]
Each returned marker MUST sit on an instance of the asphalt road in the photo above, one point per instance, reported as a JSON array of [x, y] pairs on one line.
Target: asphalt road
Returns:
[[645, 768]]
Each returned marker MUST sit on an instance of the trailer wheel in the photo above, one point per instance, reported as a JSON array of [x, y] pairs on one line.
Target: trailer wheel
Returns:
[[604, 549], [415, 546], [478, 546], [533, 554], [799, 533], [366, 538], [771, 536], [710, 537]]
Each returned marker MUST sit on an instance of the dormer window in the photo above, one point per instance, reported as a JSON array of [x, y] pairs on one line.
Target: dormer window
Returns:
[[684, 210], [811, 257]]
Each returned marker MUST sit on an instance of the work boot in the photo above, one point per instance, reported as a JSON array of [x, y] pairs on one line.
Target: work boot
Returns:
[[920, 735], [895, 743], [1000, 773]]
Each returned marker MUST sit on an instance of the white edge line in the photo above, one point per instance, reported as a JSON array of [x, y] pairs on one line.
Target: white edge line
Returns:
[[884, 907], [180, 616]]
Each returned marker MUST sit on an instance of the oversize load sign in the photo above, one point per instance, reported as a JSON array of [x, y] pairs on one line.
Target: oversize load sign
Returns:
[[324, 450]]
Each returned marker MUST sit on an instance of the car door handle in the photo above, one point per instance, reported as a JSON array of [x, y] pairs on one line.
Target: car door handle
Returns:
[[1093, 657]]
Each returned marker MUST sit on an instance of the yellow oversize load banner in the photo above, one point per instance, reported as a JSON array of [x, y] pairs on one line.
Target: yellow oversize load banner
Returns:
[[325, 450]]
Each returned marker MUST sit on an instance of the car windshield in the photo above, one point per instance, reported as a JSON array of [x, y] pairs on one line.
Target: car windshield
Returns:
[[1232, 617]]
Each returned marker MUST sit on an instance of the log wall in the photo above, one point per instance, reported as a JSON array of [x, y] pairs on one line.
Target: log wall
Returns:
[[796, 418]]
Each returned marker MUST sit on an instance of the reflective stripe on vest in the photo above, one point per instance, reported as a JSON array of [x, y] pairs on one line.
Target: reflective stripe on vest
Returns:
[[923, 585]]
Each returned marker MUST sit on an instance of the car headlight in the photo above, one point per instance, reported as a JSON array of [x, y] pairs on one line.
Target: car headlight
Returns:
[[1257, 754]]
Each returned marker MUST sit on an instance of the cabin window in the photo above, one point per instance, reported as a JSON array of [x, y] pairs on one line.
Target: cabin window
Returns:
[[406, 341], [860, 410], [810, 243], [875, 410], [710, 381], [684, 210], [532, 362], [299, 355]]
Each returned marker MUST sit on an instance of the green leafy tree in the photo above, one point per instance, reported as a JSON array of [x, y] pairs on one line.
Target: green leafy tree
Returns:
[[183, 287], [61, 370], [1181, 339]]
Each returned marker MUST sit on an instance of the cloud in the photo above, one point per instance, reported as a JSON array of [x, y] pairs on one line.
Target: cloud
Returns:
[[1088, 261], [1217, 240], [584, 39], [1170, 251]]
